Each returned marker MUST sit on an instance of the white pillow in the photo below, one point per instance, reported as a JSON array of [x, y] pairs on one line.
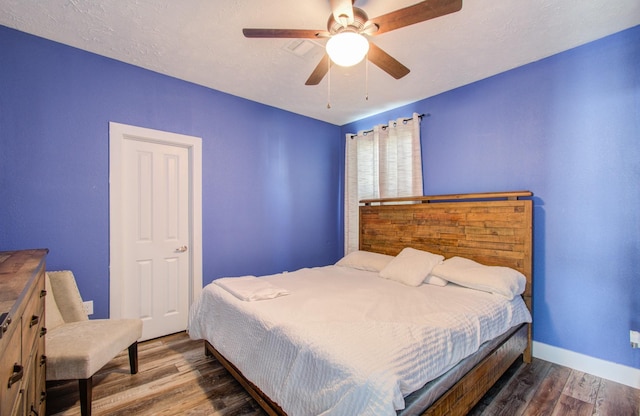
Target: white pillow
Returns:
[[411, 267], [365, 260], [435, 280], [493, 279]]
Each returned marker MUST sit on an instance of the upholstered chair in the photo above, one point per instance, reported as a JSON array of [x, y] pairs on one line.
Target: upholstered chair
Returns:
[[77, 347]]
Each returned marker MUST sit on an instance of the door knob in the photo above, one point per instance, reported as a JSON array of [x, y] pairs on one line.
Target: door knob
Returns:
[[181, 249]]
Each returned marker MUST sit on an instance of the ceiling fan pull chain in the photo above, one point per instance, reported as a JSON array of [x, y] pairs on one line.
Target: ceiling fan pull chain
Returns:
[[366, 77], [329, 83]]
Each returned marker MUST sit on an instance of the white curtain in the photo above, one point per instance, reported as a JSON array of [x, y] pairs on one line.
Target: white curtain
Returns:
[[384, 162]]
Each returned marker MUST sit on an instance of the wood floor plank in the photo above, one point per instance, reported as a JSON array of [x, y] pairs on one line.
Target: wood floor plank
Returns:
[[176, 378], [570, 406], [515, 396], [617, 399], [546, 396], [582, 386], [176, 400]]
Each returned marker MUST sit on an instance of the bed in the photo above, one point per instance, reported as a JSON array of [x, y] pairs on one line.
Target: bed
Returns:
[[352, 342]]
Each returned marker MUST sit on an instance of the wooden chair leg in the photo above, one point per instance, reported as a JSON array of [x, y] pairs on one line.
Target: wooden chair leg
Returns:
[[133, 357], [86, 387]]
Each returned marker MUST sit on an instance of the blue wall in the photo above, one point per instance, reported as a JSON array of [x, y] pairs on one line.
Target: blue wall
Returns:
[[270, 201], [568, 129]]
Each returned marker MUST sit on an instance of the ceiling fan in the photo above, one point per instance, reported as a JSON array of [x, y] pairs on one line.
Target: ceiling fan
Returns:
[[347, 21]]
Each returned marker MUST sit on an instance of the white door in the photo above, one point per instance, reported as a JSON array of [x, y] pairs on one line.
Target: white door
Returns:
[[152, 247]]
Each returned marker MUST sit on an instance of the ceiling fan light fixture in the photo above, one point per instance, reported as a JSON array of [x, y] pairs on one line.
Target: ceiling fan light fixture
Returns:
[[347, 48]]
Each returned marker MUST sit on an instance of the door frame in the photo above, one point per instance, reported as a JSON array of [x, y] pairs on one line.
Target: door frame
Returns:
[[118, 133]]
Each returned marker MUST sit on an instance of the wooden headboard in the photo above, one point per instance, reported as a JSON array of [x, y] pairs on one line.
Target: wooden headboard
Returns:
[[491, 228]]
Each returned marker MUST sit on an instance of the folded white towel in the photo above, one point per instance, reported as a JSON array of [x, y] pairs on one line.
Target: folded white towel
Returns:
[[250, 288]]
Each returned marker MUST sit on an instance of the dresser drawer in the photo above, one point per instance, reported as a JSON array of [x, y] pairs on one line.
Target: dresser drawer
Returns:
[[33, 317], [11, 370], [40, 364]]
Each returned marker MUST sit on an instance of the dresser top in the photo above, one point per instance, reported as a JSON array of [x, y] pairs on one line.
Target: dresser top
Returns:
[[17, 270]]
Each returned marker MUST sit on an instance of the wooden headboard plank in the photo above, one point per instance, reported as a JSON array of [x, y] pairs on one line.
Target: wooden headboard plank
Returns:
[[511, 195]]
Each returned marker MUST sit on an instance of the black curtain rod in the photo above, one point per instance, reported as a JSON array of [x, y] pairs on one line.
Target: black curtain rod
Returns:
[[386, 125]]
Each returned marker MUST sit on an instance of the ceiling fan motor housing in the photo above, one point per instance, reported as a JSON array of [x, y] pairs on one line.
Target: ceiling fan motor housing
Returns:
[[360, 18]]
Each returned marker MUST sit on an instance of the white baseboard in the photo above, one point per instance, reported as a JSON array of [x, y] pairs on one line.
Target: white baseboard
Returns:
[[606, 369]]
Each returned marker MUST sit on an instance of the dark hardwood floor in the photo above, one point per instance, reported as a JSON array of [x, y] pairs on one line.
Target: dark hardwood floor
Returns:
[[176, 378]]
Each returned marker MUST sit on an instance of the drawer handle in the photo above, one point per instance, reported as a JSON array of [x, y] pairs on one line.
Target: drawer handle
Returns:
[[5, 326], [43, 331], [43, 293], [34, 320], [17, 374]]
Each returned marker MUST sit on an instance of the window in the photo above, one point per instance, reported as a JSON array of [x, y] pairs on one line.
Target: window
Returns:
[[384, 162]]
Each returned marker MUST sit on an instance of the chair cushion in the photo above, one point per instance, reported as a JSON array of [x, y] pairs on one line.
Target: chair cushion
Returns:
[[67, 295], [78, 349], [52, 316]]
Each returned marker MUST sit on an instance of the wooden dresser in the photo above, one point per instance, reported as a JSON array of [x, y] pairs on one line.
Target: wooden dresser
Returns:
[[22, 359]]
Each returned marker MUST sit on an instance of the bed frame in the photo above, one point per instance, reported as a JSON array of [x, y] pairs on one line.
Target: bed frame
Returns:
[[490, 228]]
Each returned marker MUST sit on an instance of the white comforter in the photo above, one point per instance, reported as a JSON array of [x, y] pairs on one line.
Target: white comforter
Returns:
[[347, 342]]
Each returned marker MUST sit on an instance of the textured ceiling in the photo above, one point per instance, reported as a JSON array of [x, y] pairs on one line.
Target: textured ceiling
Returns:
[[201, 41]]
